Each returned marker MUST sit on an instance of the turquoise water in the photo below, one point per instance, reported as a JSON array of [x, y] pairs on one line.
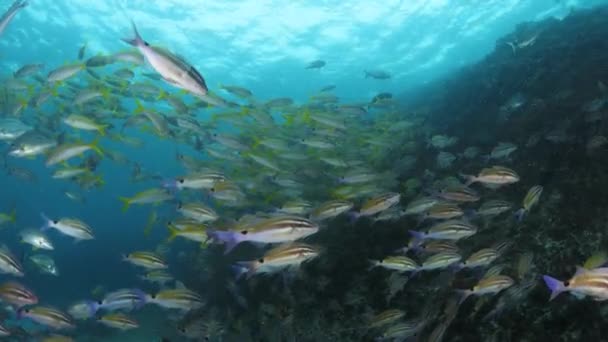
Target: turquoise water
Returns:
[[263, 46]]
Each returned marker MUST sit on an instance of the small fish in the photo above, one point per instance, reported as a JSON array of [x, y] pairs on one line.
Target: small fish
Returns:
[[272, 230], [377, 74], [67, 151], [160, 277], [196, 181], [378, 204], [36, 239], [444, 211], [440, 261], [118, 321], [281, 257], [494, 176], [446, 230], [69, 226], [146, 260], [490, 285], [85, 123], [27, 70], [317, 64], [197, 211], [150, 196], [9, 264], [180, 298], [459, 194], [64, 72], [330, 209], [481, 258], [84, 309], [493, 208], [420, 205], [529, 201], [15, 294], [45, 264], [397, 263], [194, 233], [122, 299], [49, 317]]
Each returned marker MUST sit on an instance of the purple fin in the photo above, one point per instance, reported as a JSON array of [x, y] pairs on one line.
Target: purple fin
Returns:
[[554, 285], [519, 215], [417, 235], [229, 239]]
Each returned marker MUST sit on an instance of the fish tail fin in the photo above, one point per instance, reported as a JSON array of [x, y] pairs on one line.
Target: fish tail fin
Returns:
[[519, 215], [126, 203], [353, 216], [136, 40], [95, 147], [417, 235], [47, 222], [12, 216], [101, 129], [229, 239], [469, 179], [139, 108], [554, 285], [173, 232]]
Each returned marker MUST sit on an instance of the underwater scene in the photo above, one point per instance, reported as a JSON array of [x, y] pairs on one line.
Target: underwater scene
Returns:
[[278, 171]]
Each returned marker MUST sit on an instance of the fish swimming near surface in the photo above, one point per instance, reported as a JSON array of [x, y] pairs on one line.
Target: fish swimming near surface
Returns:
[[173, 69]]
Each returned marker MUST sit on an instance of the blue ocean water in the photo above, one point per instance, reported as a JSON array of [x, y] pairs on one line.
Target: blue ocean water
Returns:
[[263, 46]]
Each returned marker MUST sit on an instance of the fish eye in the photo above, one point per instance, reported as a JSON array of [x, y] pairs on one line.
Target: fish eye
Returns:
[[244, 232], [181, 181], [566, 283], [99, 302], [212, 189], [55, 222], [146, 44], [182, 330], [261, 261]]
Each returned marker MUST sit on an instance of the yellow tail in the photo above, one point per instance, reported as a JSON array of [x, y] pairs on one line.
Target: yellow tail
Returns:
[[173, 232], [95, 147], [126, 203]]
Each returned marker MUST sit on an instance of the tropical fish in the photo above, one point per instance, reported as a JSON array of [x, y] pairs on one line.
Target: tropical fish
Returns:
[[45, 264], [17, 295], [118, 321], [592, 283], [146, 260], [49, 317], [151, 196], [36, 239], [67, 151], [179, 298], [173, 69], [488, 285], [9, 264], [69, 226], [529, 201], [288, 255], [272, 230], [494, 176]]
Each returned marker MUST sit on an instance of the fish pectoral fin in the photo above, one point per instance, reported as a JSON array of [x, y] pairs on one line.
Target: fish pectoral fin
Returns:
[[170, 80]]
